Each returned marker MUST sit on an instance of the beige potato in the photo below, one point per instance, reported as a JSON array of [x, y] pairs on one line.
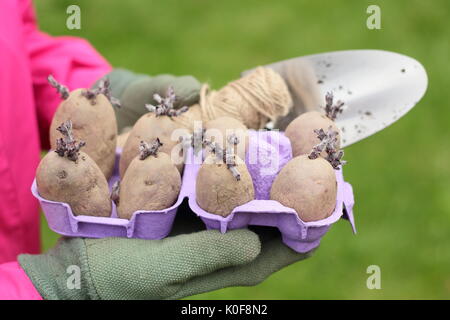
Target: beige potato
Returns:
[[150, 184], [218, 191], [221, 128], [94, 124], [307, 186], [148, 128], [123, 136], [79, 183], [301, 132]]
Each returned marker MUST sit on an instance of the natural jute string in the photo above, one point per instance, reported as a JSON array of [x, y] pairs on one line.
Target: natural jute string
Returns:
[[254, 100]]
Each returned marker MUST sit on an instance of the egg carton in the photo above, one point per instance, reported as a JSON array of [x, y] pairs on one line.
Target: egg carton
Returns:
[[296, 234], [142, 225], [300, 236]]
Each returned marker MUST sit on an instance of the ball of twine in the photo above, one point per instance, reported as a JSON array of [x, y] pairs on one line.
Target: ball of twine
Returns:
[[255, 99]]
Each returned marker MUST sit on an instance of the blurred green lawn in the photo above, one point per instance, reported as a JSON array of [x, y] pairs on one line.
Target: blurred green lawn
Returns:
[[401, 176]]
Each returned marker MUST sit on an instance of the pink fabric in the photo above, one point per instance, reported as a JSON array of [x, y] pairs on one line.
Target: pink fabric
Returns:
[[27, 105], [15, 284]]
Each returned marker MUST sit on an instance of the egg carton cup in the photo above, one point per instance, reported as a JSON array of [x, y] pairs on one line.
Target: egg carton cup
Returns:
[[300, 236]]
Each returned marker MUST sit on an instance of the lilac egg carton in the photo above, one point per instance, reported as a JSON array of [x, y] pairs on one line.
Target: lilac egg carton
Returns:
[[300, 236], [297, 234]]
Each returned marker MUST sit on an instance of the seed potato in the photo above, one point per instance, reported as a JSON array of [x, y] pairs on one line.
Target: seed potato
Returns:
[[218, 191], [308, 186], [221, 128], [150, 184], [301, 132], [158, 124], [79, 183], [148, 128], [93, 123]]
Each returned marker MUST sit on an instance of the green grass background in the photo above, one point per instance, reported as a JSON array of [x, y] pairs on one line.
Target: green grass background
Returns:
[[401, 176]]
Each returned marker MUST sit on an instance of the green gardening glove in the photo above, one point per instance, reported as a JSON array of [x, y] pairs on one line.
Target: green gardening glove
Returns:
[[135, 90], [176, 267]]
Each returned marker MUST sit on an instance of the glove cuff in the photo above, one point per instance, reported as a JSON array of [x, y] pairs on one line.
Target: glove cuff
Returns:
[[62, 273]]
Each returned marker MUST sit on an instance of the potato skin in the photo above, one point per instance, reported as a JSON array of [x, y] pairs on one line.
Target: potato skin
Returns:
[[150, 184], [148, 128], [301, 132], [123, 136], [307, 186], [218, 191], [81, 184], [227, 126], [94, 124]]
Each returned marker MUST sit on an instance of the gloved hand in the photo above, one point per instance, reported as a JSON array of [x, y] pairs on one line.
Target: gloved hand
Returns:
[[172, 268], [135, 90]]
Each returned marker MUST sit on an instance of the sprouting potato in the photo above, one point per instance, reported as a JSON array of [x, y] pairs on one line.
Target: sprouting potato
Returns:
[[93, 120], [223, 182], [220, 128], [147, 128], [307, 183], [151, 182], [158, 123], [301, 130], [307, 186], [70, 176]]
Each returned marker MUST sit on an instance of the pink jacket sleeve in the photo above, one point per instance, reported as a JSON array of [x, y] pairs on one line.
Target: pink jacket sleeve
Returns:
[[72, 61], [15, 284]]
